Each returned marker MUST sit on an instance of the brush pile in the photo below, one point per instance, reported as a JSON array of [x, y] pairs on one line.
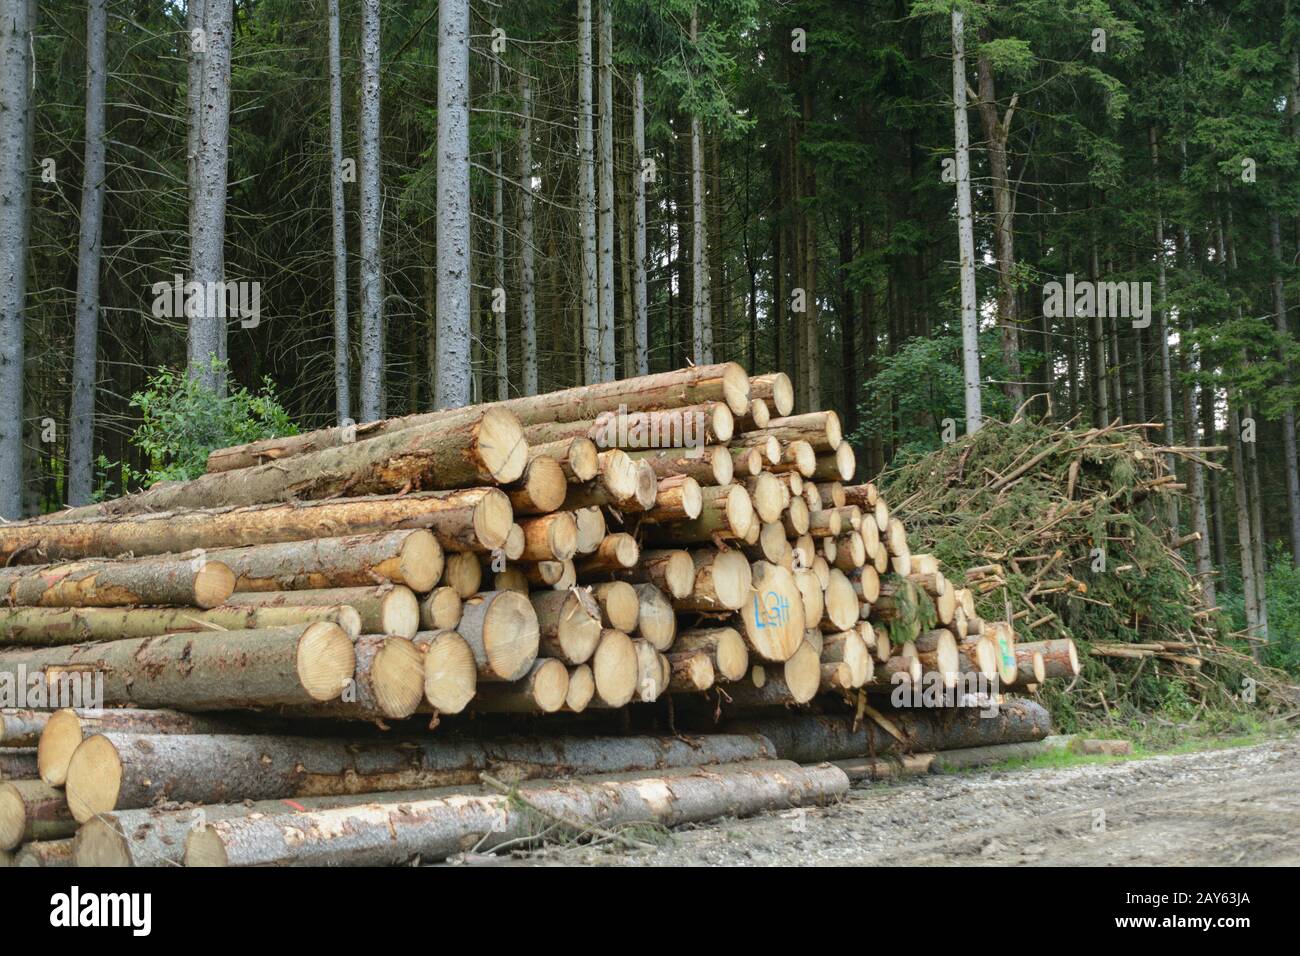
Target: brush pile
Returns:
[[1058, 530]]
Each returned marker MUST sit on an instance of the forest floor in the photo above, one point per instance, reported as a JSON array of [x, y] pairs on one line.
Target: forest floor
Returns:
[[1225, 807]]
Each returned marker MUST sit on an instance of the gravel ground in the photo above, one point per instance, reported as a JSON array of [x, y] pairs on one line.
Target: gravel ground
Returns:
[[1237, 806]]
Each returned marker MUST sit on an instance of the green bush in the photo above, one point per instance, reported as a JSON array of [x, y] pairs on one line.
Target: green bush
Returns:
[[1283, 587], [182, 421]]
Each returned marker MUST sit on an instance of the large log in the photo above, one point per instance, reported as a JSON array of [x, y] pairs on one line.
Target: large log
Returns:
[[1060, 657], [669, 570], [386, 609], [722, 582], [686, 426], [413, 558], [501, 629], [32, 810], [188, 582], [813, 739], [488, 448], [384, 833], [726, 512], [725, 647], [773, 613], [776, 389], [541, 691], [568, 624], [709, 466], [43, 626], [139, 770], [819, 429], [576, 457], [725, 382], [224, 670], [475, 519], [450, 670], [67, 728], [20, 727]]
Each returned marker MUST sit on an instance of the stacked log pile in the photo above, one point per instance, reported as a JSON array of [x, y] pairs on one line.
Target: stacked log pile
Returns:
[[680, 538]]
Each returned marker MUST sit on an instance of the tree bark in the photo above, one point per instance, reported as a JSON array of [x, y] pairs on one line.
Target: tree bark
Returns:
[[413, 558], [381, 833], [605, 210], [371, 219], [338, 227], [81, 424], [454, 245], [640, 322], [1290, 459], [527, 277], [16, 71], [103, 583], [587, 202]]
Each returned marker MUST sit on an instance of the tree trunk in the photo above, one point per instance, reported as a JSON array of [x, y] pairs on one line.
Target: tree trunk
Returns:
[[587, 202], [640, 321], [476, 519], [605, 209], [44, 626], [207, 338], [413, 558], [81, 424], [996, 132], [1290, 459], [16, 68], [100, 583], [1166, 368], [223, 670], [338, 227], [527, 276], [702, 317], [384, 833], [453, 380], [371, 219], [384, 609]]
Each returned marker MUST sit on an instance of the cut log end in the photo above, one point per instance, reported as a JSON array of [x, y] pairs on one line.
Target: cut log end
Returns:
[[100, 843], [614, 668], [421, 561], [735, 388], [582, 687], [326, 659], [397, 677], [463, 573], [213, 583], [450, 674], [773, 613], [59, 740], [492, 518], [502, 449], [94, 778]]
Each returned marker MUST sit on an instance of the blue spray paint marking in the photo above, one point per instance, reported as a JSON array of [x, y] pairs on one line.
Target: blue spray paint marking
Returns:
[[774, 613]]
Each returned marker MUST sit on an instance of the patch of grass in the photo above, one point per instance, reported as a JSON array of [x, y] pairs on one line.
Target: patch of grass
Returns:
[[1061, 758]]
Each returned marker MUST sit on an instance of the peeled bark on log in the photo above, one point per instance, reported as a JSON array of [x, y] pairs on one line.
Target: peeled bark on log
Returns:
[[773, 615], [18, 763], [450, 670], [723, 582], [614, 668], [463, 573], [501, 629], [701, 383], [656, 618], [776, 389], [670, 570], [21, 727], [691, 672], [1060, 657], [617, 552], [575, 456], [440, 609], [724, 646], [32, 810], [189, 582], [541, 489], [487, 448], [387, 609], [582, 688], [384, 834], [67, 728], [708, 466], [1030, 666], [225, 670], [45, 853], [550, 537], [473, 519], [44, 626], [541, 691], [591, 529], [727, 513], [413, 558]]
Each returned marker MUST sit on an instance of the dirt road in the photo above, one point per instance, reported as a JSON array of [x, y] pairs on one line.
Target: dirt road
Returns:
[[1237, 806]]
